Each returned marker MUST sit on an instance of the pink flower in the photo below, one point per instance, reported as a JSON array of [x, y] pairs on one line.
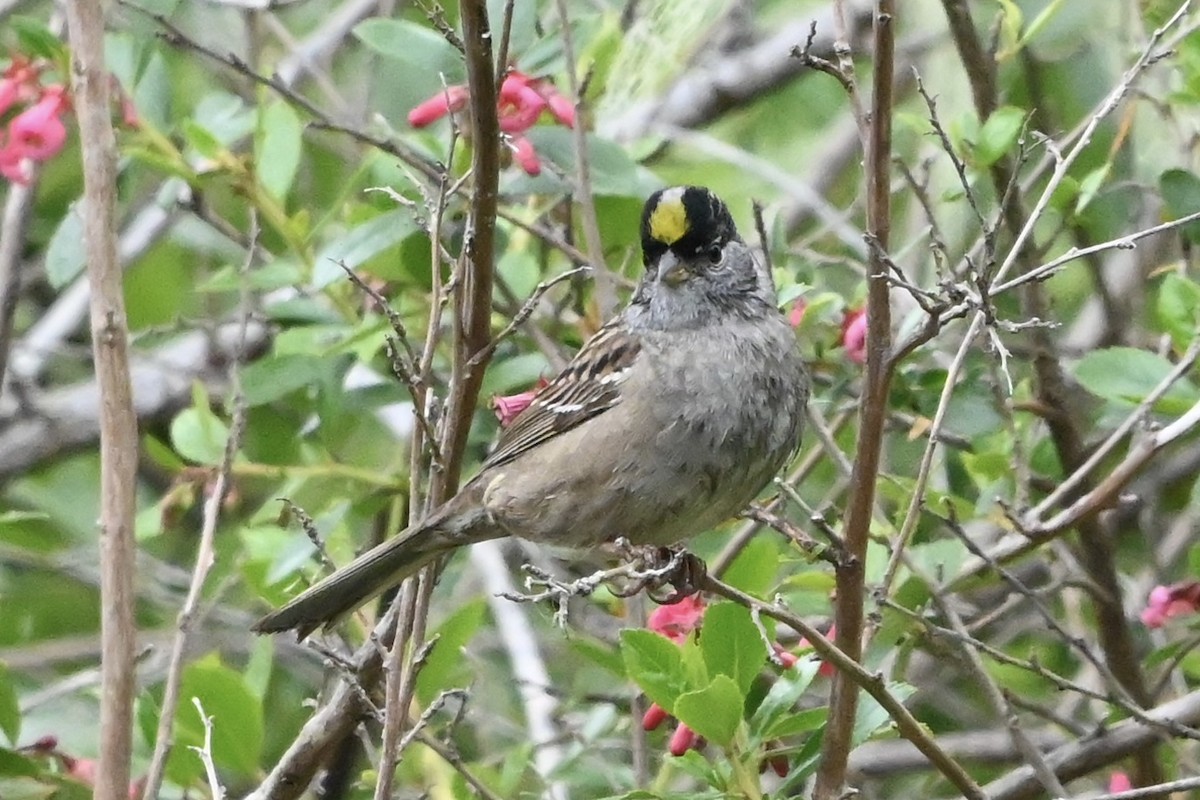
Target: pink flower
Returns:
[[854, 335], [521, 101], [796, 314], [525, 156], [519, 104], [454, 98], [678, 620], [38, 133], [1119, 782], [1166, 602], [682, 740], [508, 407], [8, 94], [655, 715], [19, 83], [561, 107]]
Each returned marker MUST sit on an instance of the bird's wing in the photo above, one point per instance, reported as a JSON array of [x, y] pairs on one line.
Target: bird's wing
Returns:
[[589, 385]]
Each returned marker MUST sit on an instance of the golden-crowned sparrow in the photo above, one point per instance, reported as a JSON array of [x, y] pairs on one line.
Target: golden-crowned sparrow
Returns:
[[668, 421]]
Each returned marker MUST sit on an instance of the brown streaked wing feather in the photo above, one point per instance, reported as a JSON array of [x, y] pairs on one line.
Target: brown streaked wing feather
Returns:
[[576, 394]]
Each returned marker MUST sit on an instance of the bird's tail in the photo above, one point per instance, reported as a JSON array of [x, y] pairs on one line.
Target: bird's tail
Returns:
[[378, 569]]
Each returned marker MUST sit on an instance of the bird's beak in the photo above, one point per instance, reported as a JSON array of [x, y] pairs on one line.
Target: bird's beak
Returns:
[[671, 270]]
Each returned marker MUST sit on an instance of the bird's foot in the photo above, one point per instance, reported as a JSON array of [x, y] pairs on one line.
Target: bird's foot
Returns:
[[653, 568]]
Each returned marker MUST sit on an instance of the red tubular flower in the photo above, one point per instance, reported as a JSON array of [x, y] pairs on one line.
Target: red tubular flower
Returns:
[[678, 620], [682, 740], [1166, 602], [854, 335], [787, 659], [796, 314], [8, 94], [562, 108], [777, 763], [519, 104], [507, 407], [38, 133], [453, 98], [521, 101], [525, 156], [19, 83], [655, 716]]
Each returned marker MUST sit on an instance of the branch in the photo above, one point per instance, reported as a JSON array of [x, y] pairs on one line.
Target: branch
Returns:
[[710, 88], [473, 302], [873, 684], [118, 423], [1079, 758], [851, 573], [68, 419], [18, 208]]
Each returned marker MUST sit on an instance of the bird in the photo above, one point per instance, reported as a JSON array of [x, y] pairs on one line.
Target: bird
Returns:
[[671, 418]]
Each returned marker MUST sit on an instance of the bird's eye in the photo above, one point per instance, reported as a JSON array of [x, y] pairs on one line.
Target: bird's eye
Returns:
[[716, 254]]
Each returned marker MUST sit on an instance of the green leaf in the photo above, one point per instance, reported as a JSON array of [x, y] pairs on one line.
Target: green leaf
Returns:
[[714, 711], [361, 243], [35, 39], [655, 665], [1181, 190], [1011, 20], [781, 699], [269, 379], [446, 665], [16, 763], [66, 254], [277, 148], [732, 645], [10, 711], [197, 434], [1090, 186], [871, 716], [236, 714], [998, 134], [1126, 375], [754, 570], [613, 172], [417, 46], [1178, 308], [27, 788], [807, 721], [202, 140]]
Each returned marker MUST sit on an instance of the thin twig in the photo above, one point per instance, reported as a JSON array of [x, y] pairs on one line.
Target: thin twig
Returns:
[[205, 753], [205, 550], [606, 285], [18, 210]]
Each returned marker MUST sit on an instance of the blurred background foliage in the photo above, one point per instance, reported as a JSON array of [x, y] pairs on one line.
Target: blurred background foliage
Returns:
[[329, 171]]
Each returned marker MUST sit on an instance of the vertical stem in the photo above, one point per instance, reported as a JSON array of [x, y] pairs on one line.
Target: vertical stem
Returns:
[[473, 301], [14, 222], [850, 573], [118, 425]]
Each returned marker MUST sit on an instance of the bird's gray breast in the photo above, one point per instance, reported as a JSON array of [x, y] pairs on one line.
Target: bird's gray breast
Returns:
[[729, 413]]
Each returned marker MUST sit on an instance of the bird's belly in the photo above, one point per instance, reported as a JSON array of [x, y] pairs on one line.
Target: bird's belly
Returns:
[[649, 492]]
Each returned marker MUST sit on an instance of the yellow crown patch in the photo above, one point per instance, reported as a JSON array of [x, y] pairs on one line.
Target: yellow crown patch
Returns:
[[669, 220]]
